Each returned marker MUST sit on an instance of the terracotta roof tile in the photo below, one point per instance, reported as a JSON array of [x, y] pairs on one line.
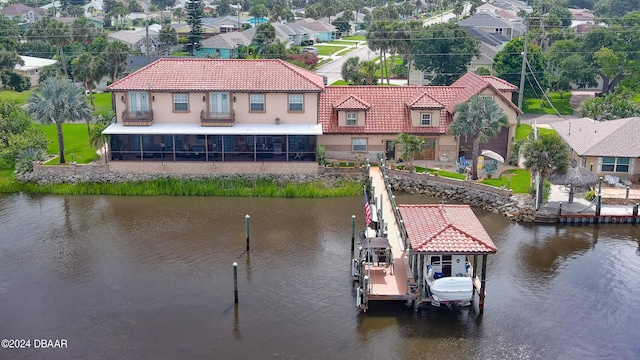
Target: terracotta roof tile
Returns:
[[424, 101], [222, 75], [474, 84], [388, 112], [438, 228], [351, 102], [500, 84]]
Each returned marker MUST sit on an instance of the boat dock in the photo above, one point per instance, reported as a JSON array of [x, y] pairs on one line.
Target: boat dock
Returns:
[[386, 282]]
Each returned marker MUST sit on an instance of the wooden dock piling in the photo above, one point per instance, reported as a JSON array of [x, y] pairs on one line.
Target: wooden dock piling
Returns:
[[248, 230], [235, 282]]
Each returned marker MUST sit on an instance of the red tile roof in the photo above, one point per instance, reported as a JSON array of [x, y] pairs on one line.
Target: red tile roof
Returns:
[[424, 101], [221, 75], [388, 112], [474, 84], [445, 229], [351, 102], [500, 84]]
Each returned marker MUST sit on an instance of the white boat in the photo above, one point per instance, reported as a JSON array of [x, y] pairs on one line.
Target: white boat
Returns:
[[449, 279]]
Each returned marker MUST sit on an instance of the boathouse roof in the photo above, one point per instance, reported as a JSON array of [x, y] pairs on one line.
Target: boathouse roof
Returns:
[[445, 229]]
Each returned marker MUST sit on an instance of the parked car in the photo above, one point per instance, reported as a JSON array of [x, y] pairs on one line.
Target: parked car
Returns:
[[310, 49]]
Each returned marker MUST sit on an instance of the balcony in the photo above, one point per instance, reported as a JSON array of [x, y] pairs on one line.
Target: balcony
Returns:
[[217, 118], [137, 118]]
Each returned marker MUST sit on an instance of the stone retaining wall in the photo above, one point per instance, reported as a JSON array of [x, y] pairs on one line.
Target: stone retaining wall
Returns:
[[100, 173], [498, 201]]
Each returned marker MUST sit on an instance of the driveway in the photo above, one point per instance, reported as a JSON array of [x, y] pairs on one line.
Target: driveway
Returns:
[[333, 69]]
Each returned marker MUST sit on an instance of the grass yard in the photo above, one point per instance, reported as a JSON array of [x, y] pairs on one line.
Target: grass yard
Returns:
[[102, 102], [340, 83], [76, 142], [345, 51], [636, 98], [18, 97], [524, 130], [541, 106], [341, 42], [354, 37], [520, 180], [389, 66], [328, 50]]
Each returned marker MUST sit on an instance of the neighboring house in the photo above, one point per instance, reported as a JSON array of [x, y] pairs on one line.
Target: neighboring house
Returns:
[[203, 115], [604, 147], [255, 21], [32, 68], [184, 30], [137, 39], [322, 31], [513, 6], [291, 34], [493, 24], [22, 13], [224, 45], [356, 24], [93, 8], [365, 120], [224, 24]]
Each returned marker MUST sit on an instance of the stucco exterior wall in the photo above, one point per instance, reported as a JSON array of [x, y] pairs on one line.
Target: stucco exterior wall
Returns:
[[276, 106], [416, 118]]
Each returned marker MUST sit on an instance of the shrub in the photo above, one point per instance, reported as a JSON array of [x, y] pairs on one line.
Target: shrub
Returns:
[[24, 161], [590, 195]]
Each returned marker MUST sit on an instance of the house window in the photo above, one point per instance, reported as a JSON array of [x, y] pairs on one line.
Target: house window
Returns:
[[219, 103], [256, 102], [352, 119], [359, 144], [32, 72], [138, 102], [296, 103], [486, 97], [180, 102], [614, 164], [425, 119], [498, 31]]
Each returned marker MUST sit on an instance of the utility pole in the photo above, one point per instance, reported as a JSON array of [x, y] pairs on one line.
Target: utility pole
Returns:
[[524, 67], [146, 45]]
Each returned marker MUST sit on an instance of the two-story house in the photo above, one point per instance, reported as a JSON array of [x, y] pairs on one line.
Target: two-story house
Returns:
[[191, 115], [366, 120]]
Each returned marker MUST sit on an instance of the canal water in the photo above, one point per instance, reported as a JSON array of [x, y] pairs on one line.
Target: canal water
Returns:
[[151, 277]]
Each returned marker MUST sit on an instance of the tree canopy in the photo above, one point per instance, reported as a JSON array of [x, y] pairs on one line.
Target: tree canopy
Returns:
[[195, 12], [443, 51]]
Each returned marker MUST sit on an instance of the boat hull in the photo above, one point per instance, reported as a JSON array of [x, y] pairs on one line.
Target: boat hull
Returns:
[[452, 289]]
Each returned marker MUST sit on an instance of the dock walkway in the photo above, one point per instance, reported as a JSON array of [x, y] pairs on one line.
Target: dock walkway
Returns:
[[386, 284]]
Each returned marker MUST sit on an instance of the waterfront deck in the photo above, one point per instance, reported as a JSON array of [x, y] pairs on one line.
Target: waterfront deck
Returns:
[[386, 284]]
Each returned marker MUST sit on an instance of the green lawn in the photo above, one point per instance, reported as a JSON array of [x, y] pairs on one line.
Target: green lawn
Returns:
[[354, 37], [337, 42], [397, 61], [102, 102], [340, 83], [541, 106], [520, 180], [328, 50], [345, 51], [19, 97], [76, 142], [524, 130], [636, 98]]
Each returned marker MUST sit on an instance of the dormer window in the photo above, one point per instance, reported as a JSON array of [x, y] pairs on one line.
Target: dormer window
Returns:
[[425, 119], [352, 119]]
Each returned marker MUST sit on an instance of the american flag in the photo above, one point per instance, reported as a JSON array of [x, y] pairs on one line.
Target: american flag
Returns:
[[367, 209]]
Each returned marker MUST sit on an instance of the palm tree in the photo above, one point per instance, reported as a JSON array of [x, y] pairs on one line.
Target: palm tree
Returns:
[[116, 57], [59, 100], [88, 69], [350, 69], [97, 140], [481, 118], [58, 34], [179, 13], [411, 145], [546, 154], [368, 71]]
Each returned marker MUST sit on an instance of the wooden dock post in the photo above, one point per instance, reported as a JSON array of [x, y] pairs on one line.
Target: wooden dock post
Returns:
[[635, 211], [353, 233], [560, 209], [482, 283], [248, 230], [235, 282], [627, 195], [598, 204]]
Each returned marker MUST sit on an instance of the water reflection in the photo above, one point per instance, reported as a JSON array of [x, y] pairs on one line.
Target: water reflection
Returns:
[[139, 277]]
